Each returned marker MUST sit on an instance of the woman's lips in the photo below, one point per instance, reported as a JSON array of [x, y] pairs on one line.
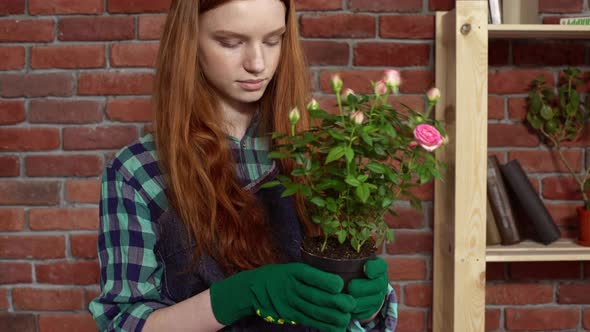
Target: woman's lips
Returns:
[[251, 85]]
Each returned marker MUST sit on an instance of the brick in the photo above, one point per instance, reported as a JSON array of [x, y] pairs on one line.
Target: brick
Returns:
[[82, 191], [391, 54], [517, 108], [492, 320], [150, 26], [406, 218], [12, 112], [577, 293], [416, 81], [18, 322], [29, 139], [68, 57], [12, 7], [318, 5], [441, 5], [413, 321], [3, 302], [130, 110], [547, 160], [37, 30], [561, 6], [36, 85], [113, 137], [65, 273], [12, 220], [63, 165], [66, 322], [338, 26], [47, 299], [545, 270], [407, 26], [515, 80], [65, 111], [501, 134], [541, 319], [14, 273], [564, 214], [563, 188], [90, 294], [418, 295], [586, 319], [13, 57], [519, 293], [499, 53], [494, 271], [320, 52], [386, 6], [138, 6], [84, 245], [406, 268], [410, 242], [104, 28], [134, 54], [424, 192], [63, 219], [52, 7], [543, 54], [358, 80], [495, 107], [13, 246], [115, 83], [29, 193]]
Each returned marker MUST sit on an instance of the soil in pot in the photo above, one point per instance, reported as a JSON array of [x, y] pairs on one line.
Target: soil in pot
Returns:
[[583, 226], [340, 259]]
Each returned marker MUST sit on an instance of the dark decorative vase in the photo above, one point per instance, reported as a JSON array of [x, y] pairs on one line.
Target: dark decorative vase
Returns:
[[346, 268], [583, 226]]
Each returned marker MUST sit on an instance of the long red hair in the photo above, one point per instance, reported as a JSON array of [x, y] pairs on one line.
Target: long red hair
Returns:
[[225, 220]]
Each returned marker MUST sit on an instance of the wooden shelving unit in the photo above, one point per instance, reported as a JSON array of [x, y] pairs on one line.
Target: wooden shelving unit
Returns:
[[460, 252]]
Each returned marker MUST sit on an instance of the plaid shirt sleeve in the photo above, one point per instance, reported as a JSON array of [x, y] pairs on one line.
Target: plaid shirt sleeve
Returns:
[[130, 274], [386, 320]]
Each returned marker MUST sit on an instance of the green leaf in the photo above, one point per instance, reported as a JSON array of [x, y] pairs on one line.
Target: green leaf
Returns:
[[367, 139], [351, 180], [341, 236], [376, 167], [362, 192], [270, 184], [534, 120], [337, 134], [349, 153], [335, 153], [276, 155], [317, 200], [289, 191], [386, 202], [546, 112], [362, 177]]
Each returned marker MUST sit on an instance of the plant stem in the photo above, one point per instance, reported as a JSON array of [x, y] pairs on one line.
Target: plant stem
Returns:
[[340, 106]]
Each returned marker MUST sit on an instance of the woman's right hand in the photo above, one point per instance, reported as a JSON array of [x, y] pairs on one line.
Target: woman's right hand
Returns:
[[293, 293]]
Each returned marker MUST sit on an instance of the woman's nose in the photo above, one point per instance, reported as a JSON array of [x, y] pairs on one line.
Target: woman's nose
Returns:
[[254, 60]]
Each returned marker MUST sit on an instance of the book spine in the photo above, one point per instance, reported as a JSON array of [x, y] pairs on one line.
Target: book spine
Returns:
[[492, 232], [545, 228], [500, 203], [575, 21], [495, 12]]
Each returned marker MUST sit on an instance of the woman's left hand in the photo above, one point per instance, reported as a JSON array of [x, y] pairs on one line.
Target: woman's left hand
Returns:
[[369, 292]]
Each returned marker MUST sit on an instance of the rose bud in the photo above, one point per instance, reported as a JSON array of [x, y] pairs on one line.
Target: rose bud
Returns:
[[336, 82], [433, 95], [393, 79], [347, 91], [294, 116], [357, 117], [380, 88], [313, 105]]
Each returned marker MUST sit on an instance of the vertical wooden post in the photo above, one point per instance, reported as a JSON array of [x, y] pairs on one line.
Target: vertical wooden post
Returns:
[[460, 200]]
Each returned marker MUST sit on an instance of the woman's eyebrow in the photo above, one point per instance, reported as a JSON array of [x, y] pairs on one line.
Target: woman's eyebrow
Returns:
[[231, 34]]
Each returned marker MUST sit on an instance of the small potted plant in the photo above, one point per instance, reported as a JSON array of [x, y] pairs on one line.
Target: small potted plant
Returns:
[[351, 167], [560, 118]]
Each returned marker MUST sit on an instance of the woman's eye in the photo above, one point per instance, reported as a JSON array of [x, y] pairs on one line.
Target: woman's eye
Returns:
[[273, 42], [229, 44]]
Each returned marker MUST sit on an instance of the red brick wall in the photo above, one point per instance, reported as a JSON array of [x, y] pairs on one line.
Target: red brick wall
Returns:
[[75, 80]]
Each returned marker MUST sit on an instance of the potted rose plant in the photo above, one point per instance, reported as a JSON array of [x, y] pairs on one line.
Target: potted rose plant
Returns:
[[354, 165], [561, 118]]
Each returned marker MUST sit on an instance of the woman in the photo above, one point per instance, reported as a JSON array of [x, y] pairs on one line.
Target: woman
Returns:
[[188, 240]]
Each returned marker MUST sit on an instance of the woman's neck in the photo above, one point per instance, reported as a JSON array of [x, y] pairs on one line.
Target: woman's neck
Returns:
[[236, 119]]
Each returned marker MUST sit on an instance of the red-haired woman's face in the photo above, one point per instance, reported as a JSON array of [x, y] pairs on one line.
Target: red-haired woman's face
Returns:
[[240, 46]]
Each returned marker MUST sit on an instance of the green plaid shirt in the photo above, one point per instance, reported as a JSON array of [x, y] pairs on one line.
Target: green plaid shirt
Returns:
[[132, 199]]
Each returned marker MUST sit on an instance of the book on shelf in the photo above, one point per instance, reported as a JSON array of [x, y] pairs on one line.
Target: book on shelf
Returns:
[[492, 232], [500, 203], [520, 12], [495, 11], [545, 229], [575, 20]]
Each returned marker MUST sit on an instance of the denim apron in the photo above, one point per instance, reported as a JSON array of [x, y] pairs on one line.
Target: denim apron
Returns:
[[175, 250]]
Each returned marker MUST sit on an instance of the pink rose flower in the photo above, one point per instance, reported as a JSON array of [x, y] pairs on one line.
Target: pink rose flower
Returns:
[[428, 137], [357, 117], [392, 78]]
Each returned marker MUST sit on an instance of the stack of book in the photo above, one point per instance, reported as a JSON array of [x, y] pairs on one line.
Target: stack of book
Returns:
[[515, 210]]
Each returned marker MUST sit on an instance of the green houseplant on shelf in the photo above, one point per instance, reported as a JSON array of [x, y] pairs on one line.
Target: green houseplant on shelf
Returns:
[[558, 119], [351, 167]]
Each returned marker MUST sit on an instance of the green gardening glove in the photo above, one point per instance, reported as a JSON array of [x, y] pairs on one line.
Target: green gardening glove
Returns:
[[370, 292], [293, 293]]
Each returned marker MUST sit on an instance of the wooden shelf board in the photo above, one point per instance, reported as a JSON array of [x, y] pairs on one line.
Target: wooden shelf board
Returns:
[[527, 31], [529, 251]]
